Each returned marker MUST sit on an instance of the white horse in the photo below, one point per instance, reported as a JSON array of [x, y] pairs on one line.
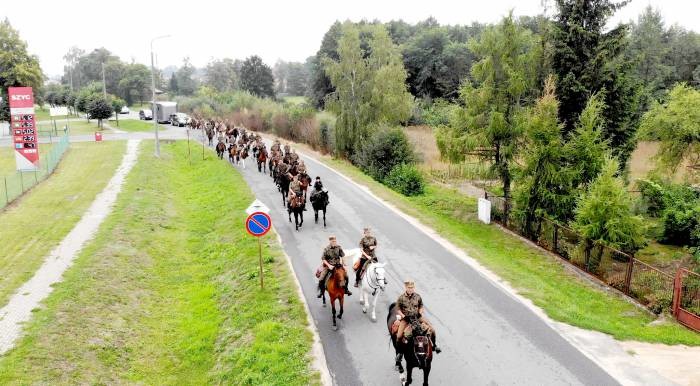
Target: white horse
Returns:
[[373, 283]]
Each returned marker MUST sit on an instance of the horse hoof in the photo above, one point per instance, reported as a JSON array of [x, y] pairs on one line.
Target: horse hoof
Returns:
[[374, 319], [335, 328], [364, 311]]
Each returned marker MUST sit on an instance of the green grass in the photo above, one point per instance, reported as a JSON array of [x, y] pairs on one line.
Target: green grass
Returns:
[[665, 257], [134, 125], [8, 165], [168, 292], [536, 275], [37, 222], [295, 100]]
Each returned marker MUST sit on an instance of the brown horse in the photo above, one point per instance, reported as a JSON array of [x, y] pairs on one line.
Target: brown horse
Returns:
[[336, 290], [296, 206], [262, 157], [417, 350], [220, 150], [232, 153]]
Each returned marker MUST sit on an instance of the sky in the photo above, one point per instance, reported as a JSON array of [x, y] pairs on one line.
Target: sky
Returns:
[[289, 30]]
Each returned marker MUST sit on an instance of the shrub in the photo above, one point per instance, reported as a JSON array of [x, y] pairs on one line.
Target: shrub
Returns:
[[406, 179], [439, 113], [384, 150], [681, 224]]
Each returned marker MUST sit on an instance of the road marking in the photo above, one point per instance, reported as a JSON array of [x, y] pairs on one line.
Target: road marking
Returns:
[[28, 297]]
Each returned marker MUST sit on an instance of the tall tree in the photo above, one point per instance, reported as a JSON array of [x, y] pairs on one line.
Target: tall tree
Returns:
[[369, 85], [17, 67], [186, 84], [136, 83], [297, 78], [256, 77], [490, 124], [281, 72], [586, 150], [320, 84], [221, 75], [586, 60], [677, 124], [544, 188]]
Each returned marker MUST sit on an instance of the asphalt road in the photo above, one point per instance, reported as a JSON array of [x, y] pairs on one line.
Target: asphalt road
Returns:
[[487, 337]]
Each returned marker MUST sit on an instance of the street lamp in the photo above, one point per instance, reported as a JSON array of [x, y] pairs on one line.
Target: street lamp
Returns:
[[153, 84]]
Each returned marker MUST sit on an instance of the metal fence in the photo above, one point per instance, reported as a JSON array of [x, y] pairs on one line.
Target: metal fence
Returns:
[[14, 185], [649, 286], [686, 298]]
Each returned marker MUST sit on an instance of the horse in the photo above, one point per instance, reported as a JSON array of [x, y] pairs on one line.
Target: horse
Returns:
[[210, 135], [220, 150], [232, 153], [336, 290], [262, 157], [417, 351], [373, 280], [283, 182], [319, 201], [296, 206], [243, 154]]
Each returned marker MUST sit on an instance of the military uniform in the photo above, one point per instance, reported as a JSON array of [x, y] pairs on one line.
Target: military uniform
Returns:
[[302, 167], [294, 157], [365, 243], [295, 187], [410, 306], [334, 256]]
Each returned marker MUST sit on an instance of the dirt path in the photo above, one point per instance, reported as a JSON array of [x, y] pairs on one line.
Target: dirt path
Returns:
[[28, 297]]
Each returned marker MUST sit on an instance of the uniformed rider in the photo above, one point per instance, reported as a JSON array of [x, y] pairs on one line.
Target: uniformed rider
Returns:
[[411, 309], [332, 256], [368, 244]]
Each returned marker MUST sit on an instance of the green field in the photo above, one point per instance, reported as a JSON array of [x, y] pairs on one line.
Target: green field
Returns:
[[132, 125], [534, 274], [168, 292], [8, 164], [51, 209]]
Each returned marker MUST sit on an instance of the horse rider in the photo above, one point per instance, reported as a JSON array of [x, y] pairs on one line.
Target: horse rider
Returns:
[[301, 168], [294, 156], [318, 185], [286, 149], [411, 309], [368, 244], [332, 256], [295, 187]]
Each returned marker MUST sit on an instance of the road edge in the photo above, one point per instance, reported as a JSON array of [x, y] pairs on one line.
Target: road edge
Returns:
[[319, 362]]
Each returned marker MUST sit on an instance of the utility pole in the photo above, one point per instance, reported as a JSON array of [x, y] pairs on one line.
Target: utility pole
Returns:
[[104, 85], [153, 85]]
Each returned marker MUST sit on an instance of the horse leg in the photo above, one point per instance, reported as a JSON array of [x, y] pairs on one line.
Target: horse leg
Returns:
[[324, 217], [374, 307], [301, 214], [296, 220], [342, 301], [335, 326], [426, 373], [315, 216]]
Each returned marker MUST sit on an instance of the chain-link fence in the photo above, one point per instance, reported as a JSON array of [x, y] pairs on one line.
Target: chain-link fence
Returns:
[[14, 185]]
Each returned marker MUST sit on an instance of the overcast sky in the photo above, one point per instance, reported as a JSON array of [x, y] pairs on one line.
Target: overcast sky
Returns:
[[290, 30]]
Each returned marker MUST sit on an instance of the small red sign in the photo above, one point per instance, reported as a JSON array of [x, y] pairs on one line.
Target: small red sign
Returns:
[[24, 131], [98, 137]]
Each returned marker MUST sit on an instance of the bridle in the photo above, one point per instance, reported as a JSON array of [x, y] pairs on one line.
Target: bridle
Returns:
[[372, 278]]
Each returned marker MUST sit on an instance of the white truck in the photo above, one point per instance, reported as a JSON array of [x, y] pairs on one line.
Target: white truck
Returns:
[[164, 110]]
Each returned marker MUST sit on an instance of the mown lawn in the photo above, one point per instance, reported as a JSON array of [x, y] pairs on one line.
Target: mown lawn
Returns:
[[168, 292], [134, 125], [8, 164], [536, 275], [34, 224]]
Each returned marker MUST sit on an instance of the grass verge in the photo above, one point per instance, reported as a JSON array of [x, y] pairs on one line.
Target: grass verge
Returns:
[[37, 222], [132, 125], [536, 275], [168, 292]]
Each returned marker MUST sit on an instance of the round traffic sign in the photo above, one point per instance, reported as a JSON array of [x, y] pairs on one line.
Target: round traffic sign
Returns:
[[258, 224]]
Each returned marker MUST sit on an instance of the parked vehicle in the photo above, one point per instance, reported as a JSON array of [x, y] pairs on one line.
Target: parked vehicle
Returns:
[[164, 111], [125, 110], [179, 119], [146, 115]]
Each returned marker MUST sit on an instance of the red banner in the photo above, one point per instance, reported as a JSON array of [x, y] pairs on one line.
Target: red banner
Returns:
[[23, 126]]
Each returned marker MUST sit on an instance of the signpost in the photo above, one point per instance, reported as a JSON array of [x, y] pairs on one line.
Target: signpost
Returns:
[[23, 128], [258, 224]]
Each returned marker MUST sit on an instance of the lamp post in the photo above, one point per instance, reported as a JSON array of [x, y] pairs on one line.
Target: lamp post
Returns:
[[153, 84]]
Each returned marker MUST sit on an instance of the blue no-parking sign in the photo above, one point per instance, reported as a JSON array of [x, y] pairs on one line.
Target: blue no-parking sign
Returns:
[[258, 224]]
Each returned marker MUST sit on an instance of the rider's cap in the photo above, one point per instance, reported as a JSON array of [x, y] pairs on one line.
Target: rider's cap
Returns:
[[318, 177], [367, 229], [331, 237], [409, 283]]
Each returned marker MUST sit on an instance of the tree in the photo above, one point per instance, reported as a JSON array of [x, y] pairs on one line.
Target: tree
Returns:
[[544, 188], [221, 75], [117, 105], [136, 83], [604, 213], [490, 123], [297, 79], [99, 108], [648, 51], [320, 83], [173, 84], [369, 89], [586, 150], [587, 60], [281, 72], [17, 67], [683, 56], [677, 124], [256, 77], [186, 84], [435, 64]]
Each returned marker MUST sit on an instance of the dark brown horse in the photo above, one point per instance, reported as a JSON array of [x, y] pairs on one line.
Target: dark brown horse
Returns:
[[232, 153], [336, 290], [417, 350], [296, 206], [262, 157], [319, 201], [220, 150]]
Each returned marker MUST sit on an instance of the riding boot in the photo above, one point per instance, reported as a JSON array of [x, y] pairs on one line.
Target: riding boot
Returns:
[[347, 291], [435, 346], [357, 277], [321, 289]]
